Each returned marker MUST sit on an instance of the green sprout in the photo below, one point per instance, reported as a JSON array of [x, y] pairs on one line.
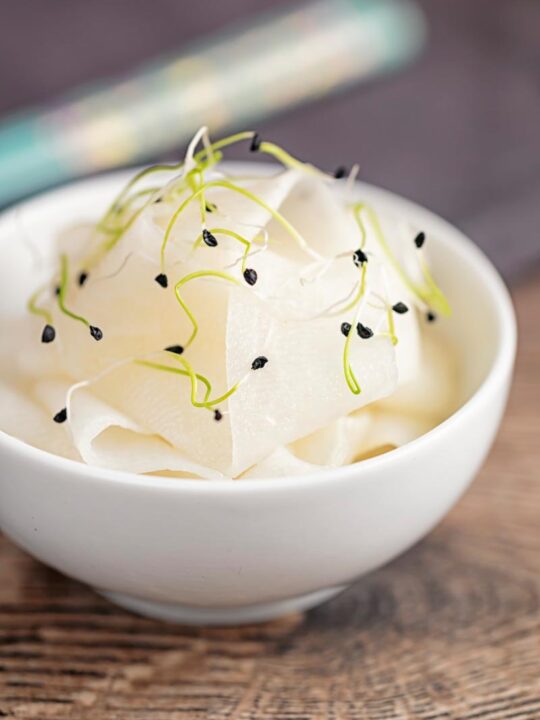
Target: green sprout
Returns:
[[195, 181], [187, 370], [95, 332], [104, 228], [232, 234], [33, 307], [188, 185], [204, 159], [429, 293], [391, 325], [227, 185], [193, 276], [223, 143], [350, 377], [123, 201], [288, 160], [357, 212]]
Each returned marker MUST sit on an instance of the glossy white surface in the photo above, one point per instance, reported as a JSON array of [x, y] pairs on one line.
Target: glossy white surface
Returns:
[[233, 552]]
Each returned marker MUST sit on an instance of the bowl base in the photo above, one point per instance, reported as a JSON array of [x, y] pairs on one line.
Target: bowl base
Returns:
[[238, 615]]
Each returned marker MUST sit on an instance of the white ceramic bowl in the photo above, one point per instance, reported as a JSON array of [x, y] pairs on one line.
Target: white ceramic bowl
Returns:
[[213, 552]]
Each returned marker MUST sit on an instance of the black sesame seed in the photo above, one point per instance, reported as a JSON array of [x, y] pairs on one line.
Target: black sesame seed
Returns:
[[95, 332], [210, 207], [345, 328], [400, 308], [259, 362], [158, 200], [217, 415], [430, 316], [250, 276], [364, 331], [177, 349], [83, 277], [57, 290], [60, 416], [340, 172], [162, 280], [48, 334], [359, 257], [420, 239], [255, 143], [208, 238]]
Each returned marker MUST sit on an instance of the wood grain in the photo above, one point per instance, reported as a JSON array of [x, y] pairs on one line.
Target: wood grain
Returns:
[[449, 630]]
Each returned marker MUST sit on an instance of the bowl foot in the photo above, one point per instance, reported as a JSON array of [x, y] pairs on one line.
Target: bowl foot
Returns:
[[238, 615]]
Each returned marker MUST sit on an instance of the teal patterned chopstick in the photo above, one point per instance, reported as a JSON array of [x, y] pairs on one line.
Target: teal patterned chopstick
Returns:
[[227, 81]]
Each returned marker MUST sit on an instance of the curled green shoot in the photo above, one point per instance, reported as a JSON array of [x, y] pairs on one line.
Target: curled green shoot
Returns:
[[211, 403], [207, 157], [208, 402], [357, 212], [350, 377], [168, 230], [117, 204], [188, 371], [187, 181], [95, 332], [385, 306], [122, 203], [208, 153], [232, 234], [116, 232], [35, 309], [428, 293], [360, 293], [62, 290], [275, 214], [123, 199], [288, 160], [130, 201], [227, 185], [430, 282], [194, 276], [204, 159], [195, 180], [391, 325]]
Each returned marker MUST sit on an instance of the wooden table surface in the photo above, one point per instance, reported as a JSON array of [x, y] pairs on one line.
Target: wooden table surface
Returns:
[[449, 630]]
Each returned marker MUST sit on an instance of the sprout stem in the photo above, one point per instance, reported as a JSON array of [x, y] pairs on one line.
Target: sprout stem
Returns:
[[64, 279], [361, 290], [187, 371], [357, 211], [430, 294], [288, 160], [350, 377], [194, 276], [227, 185], [229, 233], [33, 307]]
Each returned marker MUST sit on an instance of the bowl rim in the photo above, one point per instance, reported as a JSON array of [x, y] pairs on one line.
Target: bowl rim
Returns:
[[445, 233]]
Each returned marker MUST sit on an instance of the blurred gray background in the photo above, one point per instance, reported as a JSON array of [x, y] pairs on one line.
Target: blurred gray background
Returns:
[[459, 131]]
